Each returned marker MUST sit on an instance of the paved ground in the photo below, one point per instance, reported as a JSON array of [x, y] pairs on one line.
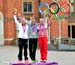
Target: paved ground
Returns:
[[9, 54]]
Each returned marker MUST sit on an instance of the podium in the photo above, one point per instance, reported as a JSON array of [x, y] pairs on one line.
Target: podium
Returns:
[[47, 63], [20, 63], [36, 63]]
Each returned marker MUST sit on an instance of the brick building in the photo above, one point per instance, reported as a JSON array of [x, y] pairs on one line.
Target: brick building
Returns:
[[27, 8]]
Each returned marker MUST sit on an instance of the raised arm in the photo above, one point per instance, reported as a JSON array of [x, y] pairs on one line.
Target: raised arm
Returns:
[[29, 21], [15, 19], [49, 21]]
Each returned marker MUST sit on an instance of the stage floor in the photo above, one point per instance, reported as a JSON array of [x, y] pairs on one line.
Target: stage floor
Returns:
[[8, 54]]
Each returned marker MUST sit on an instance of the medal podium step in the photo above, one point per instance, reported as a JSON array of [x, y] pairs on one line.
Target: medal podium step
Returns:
[[36, 63]]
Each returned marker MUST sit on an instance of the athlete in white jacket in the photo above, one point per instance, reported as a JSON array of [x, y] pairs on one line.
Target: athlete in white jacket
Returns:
[[22, 37]]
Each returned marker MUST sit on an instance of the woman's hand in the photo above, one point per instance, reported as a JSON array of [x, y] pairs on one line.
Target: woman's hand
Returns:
[[14, 11]]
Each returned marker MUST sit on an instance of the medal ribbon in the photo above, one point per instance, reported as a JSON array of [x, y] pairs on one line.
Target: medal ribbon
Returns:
[[33, 28], [42, 27], [24, 28]]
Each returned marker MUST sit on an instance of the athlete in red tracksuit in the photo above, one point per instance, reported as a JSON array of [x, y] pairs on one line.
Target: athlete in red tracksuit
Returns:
[[43, 39]]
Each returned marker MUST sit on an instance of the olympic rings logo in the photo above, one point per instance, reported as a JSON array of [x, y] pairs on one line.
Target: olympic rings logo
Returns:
[[59, 7]]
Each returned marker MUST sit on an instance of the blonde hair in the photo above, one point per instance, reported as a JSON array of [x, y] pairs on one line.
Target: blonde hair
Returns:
[[23, 19], [41, 19]]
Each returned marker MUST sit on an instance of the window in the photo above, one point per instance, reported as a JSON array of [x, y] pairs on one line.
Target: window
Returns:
[[71, 31], [71, 1], [68, 31], [71, 6], [72, 9], [56, 0], [27, 7]]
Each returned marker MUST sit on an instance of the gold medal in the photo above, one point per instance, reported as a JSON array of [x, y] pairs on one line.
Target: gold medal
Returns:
[[33, 33]]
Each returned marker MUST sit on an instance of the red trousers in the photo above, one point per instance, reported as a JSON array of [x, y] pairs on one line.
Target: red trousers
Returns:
[[43, 44]]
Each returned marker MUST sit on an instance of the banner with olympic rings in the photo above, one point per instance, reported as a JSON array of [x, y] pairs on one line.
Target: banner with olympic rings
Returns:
[[58, 8]]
